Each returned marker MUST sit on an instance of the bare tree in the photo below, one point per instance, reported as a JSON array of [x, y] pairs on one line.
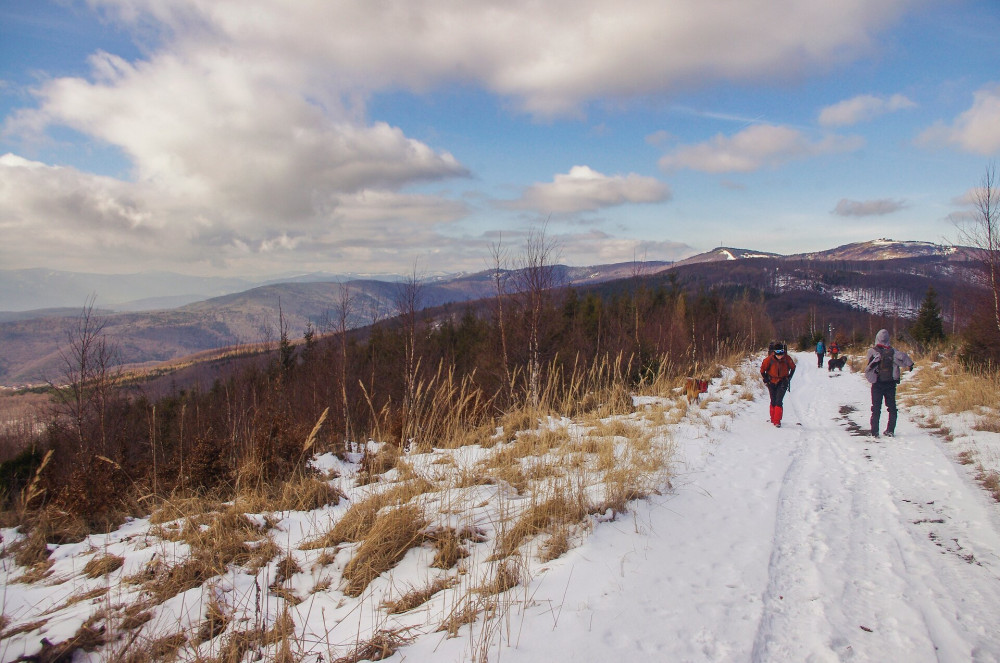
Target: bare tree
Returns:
[[343, 311], [536, 276], [408, 301], [982, 231], [640, 272], [499, 267], [92, 369]]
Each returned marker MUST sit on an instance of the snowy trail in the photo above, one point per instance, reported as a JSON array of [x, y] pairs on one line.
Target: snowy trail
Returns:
[[806, 543]]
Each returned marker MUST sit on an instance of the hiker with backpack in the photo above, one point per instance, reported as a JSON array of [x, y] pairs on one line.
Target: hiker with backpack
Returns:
[[882, 369], [820, 351], [777, 370], [834, 349]]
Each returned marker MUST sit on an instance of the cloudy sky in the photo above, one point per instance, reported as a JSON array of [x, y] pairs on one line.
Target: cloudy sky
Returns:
[[250, 137]]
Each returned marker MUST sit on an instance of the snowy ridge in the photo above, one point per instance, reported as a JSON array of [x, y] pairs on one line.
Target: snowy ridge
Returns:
[[804, 543]]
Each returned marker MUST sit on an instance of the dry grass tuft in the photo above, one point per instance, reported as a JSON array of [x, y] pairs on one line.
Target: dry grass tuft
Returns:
[[215, 622], [103, 565], [557, 510], [449, 545], [383, 644], [230, 538], [417, 597], [359, 519], [392, 534], [617, 428], [182, 508], [508, 574], [990, 481], [306, 493], [23, 628], [466, 613], [375, 463]]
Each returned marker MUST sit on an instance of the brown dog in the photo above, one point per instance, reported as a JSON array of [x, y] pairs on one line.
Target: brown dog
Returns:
[[694, 387]]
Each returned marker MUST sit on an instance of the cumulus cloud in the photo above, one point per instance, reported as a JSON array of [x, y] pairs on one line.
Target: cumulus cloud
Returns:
[[754, 148], [78, 219], [584, 189], [861, 109], [246, 126], [846, 207], [550, 56], [224, 135], [977, 130]]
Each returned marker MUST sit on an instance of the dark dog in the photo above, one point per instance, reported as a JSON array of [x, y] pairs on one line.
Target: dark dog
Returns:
[[836, 363]]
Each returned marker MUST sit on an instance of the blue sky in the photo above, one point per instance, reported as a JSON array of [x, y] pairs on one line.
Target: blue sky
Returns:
[[250, 137]]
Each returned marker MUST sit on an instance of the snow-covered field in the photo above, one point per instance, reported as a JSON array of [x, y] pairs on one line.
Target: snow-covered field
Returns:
[[805, 543]]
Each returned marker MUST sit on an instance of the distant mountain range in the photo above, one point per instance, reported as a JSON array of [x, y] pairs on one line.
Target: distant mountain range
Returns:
[[881, 276]]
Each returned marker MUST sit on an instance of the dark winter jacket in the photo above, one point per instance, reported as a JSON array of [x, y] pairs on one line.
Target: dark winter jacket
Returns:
[[874, 358]]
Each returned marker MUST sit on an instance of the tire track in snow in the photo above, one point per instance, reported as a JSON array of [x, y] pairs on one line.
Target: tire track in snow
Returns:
[[852, 575]]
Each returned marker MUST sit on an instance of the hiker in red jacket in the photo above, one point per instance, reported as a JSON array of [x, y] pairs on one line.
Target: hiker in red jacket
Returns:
[[777, 370]]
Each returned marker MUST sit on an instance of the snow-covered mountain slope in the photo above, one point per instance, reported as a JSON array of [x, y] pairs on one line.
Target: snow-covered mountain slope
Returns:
[[804, 543]]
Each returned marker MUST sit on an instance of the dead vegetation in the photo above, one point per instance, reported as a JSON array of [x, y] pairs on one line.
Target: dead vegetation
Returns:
[[947, 387]]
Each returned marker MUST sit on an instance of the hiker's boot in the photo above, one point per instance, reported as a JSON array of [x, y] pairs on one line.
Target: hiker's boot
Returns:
[[889, 433], [778, 411]]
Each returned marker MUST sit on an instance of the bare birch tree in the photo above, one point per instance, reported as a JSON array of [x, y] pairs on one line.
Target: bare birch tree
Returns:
[[536, 276], [982, 231], [408, 301], [343, 311], [500, 270]]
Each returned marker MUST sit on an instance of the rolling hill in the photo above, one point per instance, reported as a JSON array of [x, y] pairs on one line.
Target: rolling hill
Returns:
[[843, 284]]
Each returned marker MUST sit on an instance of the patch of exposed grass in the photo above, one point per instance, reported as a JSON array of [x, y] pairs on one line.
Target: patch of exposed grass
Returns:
[[990, 479], [449, 544], [537, 519], [230, 538], [381, 645], [360, 518], [393, 533], [416, 597], [103, 565]]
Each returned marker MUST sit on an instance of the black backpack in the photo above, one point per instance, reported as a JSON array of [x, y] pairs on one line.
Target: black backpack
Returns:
[[885, 369]]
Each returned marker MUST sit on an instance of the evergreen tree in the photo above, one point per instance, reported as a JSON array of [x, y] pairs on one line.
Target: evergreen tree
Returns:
[[929, 326]]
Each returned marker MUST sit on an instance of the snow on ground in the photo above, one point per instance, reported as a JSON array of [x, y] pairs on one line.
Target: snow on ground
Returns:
[[805, 543]]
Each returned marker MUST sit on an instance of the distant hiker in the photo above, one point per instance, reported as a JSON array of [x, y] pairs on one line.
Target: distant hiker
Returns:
[[834, 350], [820, 351], [777, 370], [882, 369]]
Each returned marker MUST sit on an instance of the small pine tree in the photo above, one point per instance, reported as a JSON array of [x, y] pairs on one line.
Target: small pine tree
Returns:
[[929, 326]]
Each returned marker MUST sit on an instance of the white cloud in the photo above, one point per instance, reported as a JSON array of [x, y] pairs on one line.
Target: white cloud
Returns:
[[76, 220], [597, 247], [217, 133], [754, 148], [977, 130], [584, 189], [551, 56], [880, 207], [862, 108], [246, 126]]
